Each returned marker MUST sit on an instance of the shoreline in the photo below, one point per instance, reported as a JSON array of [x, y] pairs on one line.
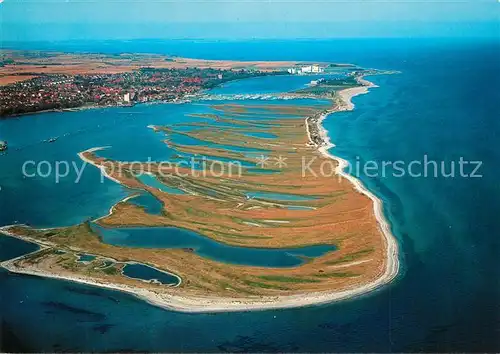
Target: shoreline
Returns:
[[202, 94], [81, 155], [201, 304], [392, 248], [91, 107]]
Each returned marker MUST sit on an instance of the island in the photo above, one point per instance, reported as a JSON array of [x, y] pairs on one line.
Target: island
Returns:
[[264, 217]]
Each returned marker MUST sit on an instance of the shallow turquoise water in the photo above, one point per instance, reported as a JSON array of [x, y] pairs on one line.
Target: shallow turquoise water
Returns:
[[446, 297], [171, 237]]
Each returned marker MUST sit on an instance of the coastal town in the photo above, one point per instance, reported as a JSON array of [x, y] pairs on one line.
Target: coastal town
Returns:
[[62, 91], [34, 81]]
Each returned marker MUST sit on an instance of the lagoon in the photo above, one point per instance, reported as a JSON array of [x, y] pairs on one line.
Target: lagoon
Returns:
[[278, 196], [147, 273], [171, 237]]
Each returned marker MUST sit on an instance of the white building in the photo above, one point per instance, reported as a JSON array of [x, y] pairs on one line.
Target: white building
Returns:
[[316, 69], [126, 97], [306, 69]]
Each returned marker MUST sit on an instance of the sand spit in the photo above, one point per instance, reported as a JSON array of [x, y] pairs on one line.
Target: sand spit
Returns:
[[173, 300]]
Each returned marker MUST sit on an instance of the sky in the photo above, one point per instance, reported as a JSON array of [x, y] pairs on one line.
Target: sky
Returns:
[[23, 20]]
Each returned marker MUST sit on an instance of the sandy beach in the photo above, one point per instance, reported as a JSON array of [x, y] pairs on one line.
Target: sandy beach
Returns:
[[392, 266], [172, 300], [103, 169]]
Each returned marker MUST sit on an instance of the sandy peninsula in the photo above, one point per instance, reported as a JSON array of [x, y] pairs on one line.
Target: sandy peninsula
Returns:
[[198, 303]]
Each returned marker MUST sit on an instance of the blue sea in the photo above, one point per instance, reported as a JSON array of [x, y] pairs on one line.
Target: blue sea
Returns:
[[443, 104]]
